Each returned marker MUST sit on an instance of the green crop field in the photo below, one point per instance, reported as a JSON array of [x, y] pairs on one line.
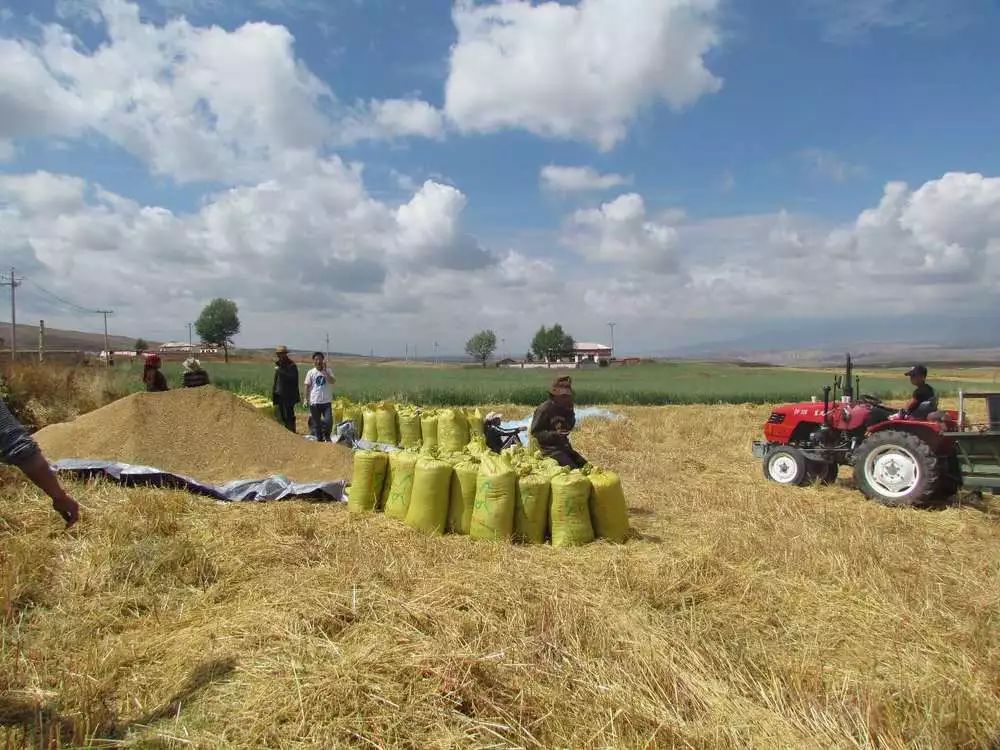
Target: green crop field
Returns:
[[654, 383]]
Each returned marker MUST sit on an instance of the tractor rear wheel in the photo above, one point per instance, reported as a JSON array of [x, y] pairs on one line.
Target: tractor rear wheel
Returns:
[[897, 469], [786, 465]]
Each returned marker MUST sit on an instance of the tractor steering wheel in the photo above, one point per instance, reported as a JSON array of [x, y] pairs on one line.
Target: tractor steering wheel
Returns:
[[871, 400]]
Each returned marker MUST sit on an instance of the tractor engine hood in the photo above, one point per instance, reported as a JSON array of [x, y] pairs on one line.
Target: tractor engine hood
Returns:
[[785, 418]]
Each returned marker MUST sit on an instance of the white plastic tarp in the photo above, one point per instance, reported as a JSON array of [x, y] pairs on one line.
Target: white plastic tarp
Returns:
[[241, 490]]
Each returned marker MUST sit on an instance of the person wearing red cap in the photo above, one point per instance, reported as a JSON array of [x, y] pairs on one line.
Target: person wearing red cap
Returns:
[[151, 374], [552, 423]]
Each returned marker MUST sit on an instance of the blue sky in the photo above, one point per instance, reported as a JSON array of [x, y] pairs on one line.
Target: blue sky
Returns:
[[717, 169]]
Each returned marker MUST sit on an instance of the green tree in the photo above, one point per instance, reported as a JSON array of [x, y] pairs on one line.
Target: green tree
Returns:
[[481, 346], [141, 345], [218, 323], [552, 343]]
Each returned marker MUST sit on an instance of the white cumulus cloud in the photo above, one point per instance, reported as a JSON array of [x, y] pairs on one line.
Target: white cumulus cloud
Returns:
[[580, 71], [579, 179], [620, 232], [194, 103], [282, 244]]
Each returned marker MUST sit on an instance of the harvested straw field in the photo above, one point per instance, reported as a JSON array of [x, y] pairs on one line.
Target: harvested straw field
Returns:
[[742, 614]]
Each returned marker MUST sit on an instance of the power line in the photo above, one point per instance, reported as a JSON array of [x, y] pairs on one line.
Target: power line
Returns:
[[75, 307]]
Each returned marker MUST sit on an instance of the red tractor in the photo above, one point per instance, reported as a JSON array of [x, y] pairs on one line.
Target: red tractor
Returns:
[[897, 460]]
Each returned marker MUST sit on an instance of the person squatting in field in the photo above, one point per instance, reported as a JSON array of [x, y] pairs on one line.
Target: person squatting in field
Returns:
[[152, 376], [285, 391], [552, 423], [18, 448], [194, 374], [319, 398]]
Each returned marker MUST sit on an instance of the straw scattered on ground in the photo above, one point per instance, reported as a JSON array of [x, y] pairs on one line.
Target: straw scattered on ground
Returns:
[[205, 433], [744, 614]]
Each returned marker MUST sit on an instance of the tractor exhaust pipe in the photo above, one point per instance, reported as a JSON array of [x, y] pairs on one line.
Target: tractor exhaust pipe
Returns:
[[849, 380], [826, 405]]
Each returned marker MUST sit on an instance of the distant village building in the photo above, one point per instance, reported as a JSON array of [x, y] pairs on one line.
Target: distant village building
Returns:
[[585, 351], [182, 347]]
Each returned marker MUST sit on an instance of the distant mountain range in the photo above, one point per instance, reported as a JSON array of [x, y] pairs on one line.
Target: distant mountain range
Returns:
[[924, 338], [802, 343], [56, 339]]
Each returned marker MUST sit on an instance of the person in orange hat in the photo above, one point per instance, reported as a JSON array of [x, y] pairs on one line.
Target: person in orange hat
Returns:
[[553, 421]]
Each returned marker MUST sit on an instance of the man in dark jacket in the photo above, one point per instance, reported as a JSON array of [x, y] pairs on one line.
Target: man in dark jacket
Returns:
[[552, 423], [17, 448], [285, 393]]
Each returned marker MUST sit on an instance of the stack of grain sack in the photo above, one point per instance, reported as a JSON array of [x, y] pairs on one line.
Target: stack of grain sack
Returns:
[[261, 404], [514, 496], [411, 427]]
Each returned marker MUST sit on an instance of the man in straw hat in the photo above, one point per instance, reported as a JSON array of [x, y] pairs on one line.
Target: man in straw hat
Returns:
[[285, 393], [553, 421], [194, 375]]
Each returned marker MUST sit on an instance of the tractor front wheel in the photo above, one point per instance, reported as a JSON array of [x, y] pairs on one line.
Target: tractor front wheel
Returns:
[[786, 465], [897, 468]]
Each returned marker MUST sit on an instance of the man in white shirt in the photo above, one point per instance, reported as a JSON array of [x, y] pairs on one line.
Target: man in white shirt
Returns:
[[319, 397]]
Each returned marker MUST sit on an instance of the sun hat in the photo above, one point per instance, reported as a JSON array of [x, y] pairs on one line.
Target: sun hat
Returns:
[[562, 386]]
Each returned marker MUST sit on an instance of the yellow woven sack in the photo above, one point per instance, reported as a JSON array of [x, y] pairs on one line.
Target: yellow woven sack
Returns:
[[428, 511], [570, 510], [409, 427], [357, 415], [496, 491], [399, 484], [385, 418], [463, 496], [531, 514], [370, 429], [608, 510], [367, 482], [429, 430], [453, 431], [477, 446], [475, 422]]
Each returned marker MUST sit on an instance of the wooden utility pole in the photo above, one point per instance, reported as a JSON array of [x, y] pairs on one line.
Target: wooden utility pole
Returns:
[[41, 340], [190, 337], [107, 348], [13, 283], [328, 346]]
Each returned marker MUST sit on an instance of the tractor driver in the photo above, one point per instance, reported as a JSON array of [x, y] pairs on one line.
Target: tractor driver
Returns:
[[924, 400]]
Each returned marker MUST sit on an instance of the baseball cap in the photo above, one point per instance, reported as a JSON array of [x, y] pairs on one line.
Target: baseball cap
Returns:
[[917, 370]]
